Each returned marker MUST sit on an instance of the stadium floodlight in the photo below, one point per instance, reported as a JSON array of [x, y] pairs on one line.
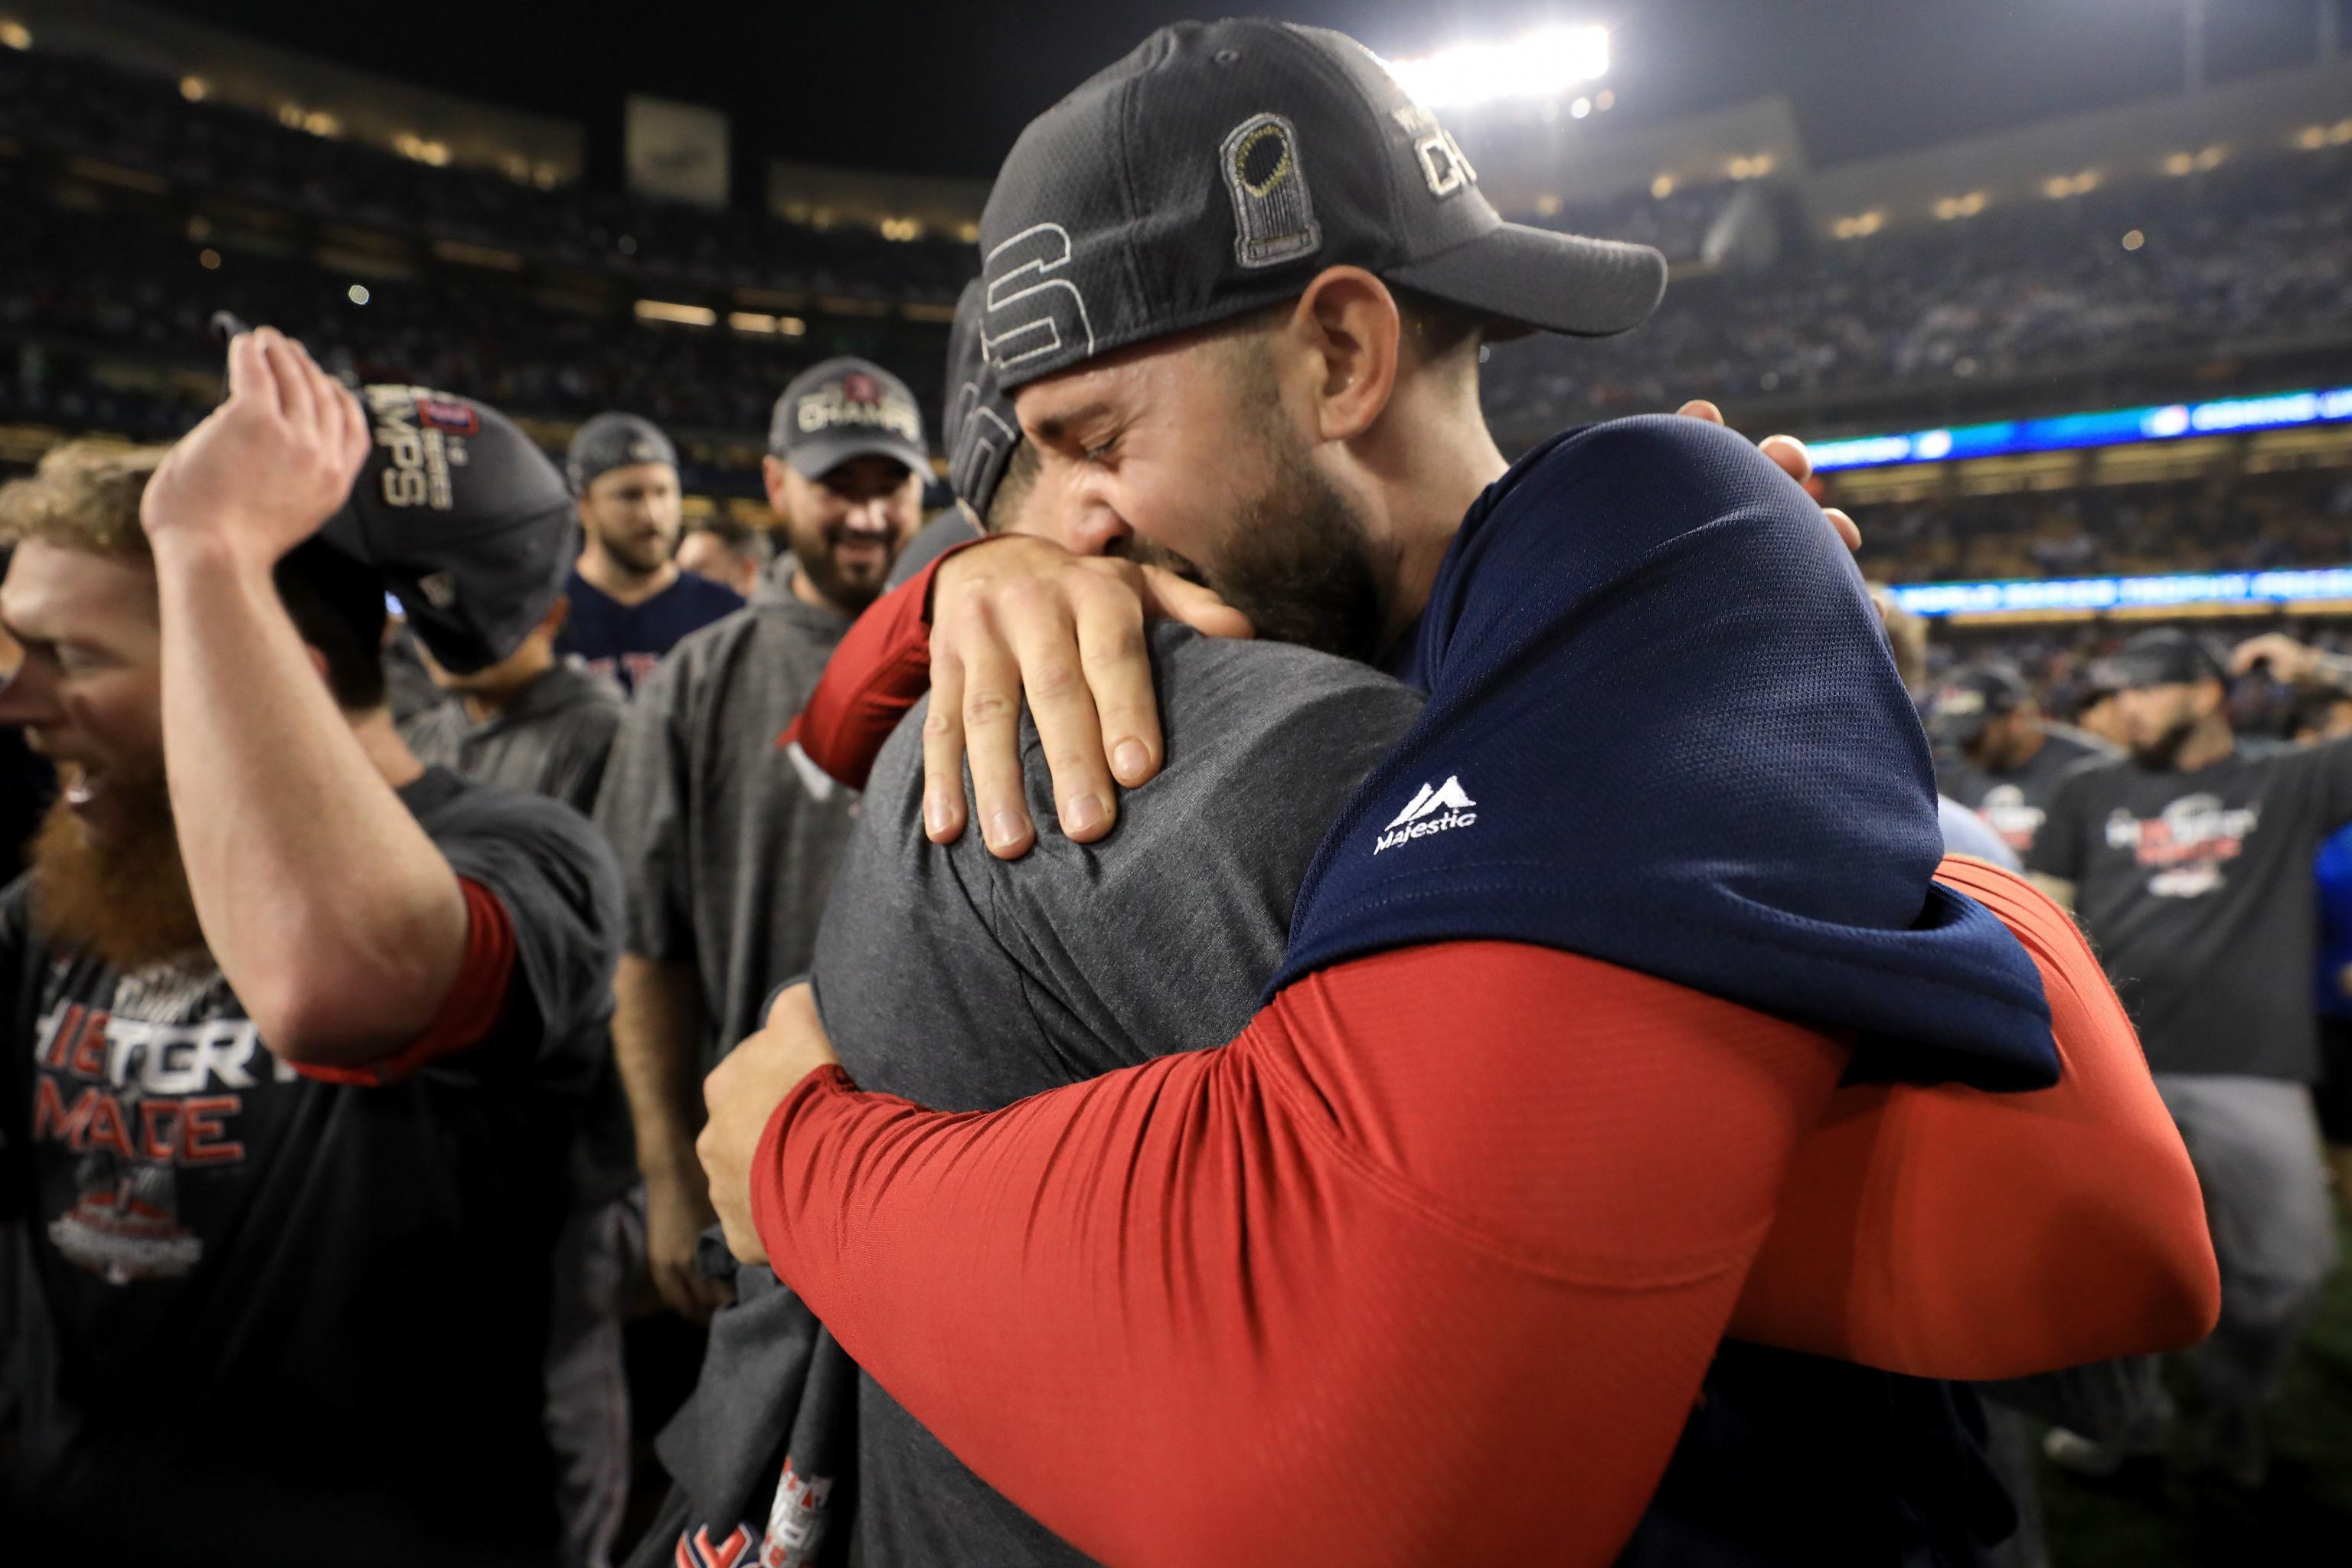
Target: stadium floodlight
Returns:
[[1541, 64]]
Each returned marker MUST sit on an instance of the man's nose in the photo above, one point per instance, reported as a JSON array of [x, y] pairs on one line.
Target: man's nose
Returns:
[[1097, 530], [871, 515], [31, 698]]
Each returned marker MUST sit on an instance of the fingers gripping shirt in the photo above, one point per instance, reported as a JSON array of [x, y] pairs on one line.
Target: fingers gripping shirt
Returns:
[[1665, 730]]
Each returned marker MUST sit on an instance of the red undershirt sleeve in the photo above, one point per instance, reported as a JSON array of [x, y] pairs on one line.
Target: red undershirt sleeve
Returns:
[[1947, 1233], [476, 1000], [881, 669], [1345, 1290]]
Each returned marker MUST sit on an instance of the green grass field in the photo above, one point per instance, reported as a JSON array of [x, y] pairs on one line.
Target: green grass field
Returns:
[[2159, 1518]]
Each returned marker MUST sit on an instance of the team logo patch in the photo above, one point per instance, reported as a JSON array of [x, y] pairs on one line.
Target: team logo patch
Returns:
[[450, 414], [859, 387], [1273, 220], [1438, 809]]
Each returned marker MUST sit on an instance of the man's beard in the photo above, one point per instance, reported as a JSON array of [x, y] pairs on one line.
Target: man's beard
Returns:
[[1297, 563], [847, 588], [2160, 753], [122, 898], [642, 560]]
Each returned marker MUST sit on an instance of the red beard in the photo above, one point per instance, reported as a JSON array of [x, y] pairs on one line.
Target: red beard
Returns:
[[122, 898]]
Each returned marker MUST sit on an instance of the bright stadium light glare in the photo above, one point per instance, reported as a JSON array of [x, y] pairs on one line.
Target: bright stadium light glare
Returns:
[[1542, 64]]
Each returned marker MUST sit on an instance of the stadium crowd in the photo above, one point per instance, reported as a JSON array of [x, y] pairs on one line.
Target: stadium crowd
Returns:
[[81, 106], [2245, 523], [2253, 254], [639, 918], [2257, 250]]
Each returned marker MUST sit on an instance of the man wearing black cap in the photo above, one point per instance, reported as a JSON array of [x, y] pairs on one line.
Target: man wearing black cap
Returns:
[[630, 601], [303, 1028], [728, 840], [2188, 861], [1997, 755], [1225, 222]]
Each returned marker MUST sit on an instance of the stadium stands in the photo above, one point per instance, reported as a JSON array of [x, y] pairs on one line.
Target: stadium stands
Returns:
[[2246, 522], [135, 214]]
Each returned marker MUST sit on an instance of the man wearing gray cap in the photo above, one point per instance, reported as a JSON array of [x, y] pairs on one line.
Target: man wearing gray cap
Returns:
[[727, 840], [303, 1028], [2188, 861], [630, 601]]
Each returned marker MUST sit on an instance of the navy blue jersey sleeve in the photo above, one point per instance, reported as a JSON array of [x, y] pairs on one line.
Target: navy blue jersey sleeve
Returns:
[[1664, 730]]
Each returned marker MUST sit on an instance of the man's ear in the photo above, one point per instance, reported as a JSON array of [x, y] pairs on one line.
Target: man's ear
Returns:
[[772, 474], [1350, 321]]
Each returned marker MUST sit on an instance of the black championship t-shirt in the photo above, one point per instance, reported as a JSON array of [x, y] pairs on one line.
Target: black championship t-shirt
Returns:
[[2196, 890], [265, 1318], [2014, 800]]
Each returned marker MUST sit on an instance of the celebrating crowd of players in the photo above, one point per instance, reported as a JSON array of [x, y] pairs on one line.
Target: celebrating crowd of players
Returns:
[[1494, 1067]]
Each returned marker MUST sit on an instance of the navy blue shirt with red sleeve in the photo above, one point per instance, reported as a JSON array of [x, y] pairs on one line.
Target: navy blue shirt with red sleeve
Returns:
[[273, 1314], [622, 642], [1626, 756]]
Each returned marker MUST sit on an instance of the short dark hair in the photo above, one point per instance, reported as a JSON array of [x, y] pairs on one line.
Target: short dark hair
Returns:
[[732, 532]]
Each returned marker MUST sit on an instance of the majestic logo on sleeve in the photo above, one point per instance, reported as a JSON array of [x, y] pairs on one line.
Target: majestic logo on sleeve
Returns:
[[2185, 846], [1438, 809]]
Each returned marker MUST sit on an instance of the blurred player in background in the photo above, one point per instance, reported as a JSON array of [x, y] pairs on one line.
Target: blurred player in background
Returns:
[[304, 1028], [2324, 713], [2189, 862], [731, 553], [727, 841], [1965, 833], [532, 722], [542, 725], [630, 602], [1997, 755], [2098, 711]]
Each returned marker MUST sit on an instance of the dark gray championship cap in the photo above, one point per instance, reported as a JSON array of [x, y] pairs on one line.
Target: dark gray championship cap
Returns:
[[1972, 697], [1222, 164], [612, 441], [2164, 657], [847, 408], [468, 522], [980, 426]]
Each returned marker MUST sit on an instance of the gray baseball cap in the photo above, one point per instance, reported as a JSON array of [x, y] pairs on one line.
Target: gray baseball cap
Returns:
[[847, 408], [2165, 657], [980, 426], [612, 441], [467, 521], [1222, 164]]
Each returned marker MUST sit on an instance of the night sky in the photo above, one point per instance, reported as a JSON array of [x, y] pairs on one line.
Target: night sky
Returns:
[[943, 89]]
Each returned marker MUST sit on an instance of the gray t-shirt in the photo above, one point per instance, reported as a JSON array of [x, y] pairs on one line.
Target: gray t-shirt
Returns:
[[727, 842], [553, 739], [1078, 959], [550, 741], [2196, 889]]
